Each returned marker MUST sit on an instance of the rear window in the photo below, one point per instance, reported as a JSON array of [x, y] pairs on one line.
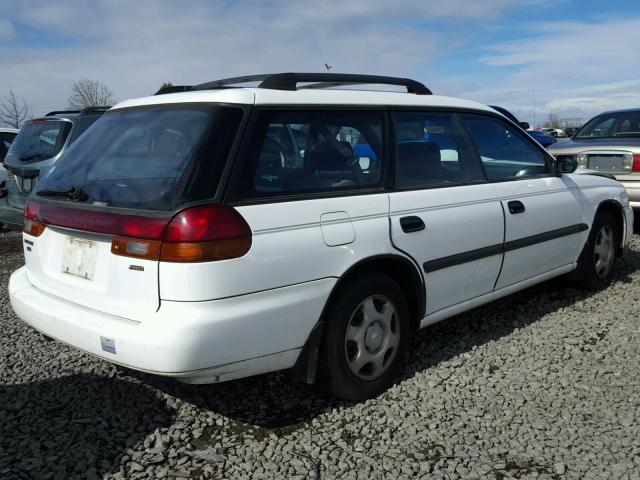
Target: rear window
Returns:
[[38, 140], [6, 139], [154, 158], [616, 124], [84, 122]]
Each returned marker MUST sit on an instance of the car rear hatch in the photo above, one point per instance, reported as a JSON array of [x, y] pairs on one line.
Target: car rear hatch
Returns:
[[30, 155], [95, 226]]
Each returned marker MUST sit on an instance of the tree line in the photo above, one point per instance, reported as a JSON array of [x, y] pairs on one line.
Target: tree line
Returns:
[[14, 111]]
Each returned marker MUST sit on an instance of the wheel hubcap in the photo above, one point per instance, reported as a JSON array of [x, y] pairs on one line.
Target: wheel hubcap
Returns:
[[372, 337], [603, 251]]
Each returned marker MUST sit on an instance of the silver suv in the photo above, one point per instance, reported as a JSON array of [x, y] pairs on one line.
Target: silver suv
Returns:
[[608, 143], [33, 153]]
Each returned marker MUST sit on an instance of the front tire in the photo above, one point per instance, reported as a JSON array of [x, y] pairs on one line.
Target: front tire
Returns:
[[366, 337], [595, 265]]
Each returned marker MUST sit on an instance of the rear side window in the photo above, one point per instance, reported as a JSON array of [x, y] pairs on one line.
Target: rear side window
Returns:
[[84, 122], [505, 152], [38, 140], [431, 151], [306, 152], [154, 158]]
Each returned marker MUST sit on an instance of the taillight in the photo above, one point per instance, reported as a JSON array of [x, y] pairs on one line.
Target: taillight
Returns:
[[636, 163], [31, 224], [198, 234], [206, 233]]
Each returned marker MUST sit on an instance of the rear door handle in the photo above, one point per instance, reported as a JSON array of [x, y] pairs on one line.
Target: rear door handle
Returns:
[[411, 224], [515, 206]]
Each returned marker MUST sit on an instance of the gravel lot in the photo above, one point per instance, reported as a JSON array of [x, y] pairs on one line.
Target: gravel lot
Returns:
[[544, 384]]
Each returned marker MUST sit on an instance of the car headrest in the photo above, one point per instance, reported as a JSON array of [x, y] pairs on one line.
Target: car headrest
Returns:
[[331, 157]]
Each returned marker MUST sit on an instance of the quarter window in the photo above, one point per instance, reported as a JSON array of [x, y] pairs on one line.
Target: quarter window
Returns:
[[505, 153], [430, 151], [305, 152]]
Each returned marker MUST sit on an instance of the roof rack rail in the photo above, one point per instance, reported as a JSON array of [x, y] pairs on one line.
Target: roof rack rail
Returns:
[[95, 109], [173, 89], [60, 112], [289, 81]]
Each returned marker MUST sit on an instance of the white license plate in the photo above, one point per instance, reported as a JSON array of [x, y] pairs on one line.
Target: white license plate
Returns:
[[79, 257]]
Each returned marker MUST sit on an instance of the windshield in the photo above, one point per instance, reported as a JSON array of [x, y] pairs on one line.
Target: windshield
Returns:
[[153, 158], [608, 125], [38, 140]]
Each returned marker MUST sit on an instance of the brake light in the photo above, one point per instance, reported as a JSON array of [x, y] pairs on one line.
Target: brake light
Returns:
[[31, 224], [38, 122], [198, 234], [636, 163], [206, 233]]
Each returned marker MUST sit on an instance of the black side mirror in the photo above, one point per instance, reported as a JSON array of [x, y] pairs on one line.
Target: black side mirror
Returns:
[[567, 163], [524, 125]]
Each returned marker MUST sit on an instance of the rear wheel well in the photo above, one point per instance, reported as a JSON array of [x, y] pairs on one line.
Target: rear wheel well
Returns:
[[402, 271], [615, 210]]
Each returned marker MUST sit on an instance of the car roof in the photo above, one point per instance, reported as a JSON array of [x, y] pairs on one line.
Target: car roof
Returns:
[[311, 97]]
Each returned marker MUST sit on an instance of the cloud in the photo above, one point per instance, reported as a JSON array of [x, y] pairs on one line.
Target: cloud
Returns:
[[7, 29], [575, 68]]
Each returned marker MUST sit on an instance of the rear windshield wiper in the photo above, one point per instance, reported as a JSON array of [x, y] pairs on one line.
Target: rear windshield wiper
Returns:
[[73, 193], [30, 157]]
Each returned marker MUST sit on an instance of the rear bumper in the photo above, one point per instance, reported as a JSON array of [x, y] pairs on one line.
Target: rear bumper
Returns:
[[633, 190], [196, 342]]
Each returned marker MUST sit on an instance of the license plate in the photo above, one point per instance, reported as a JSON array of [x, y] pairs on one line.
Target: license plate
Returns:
[[605, 163], [28, 183], [79, 257]]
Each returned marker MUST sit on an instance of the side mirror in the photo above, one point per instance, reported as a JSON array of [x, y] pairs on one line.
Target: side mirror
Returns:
[[524, 125], [567, 163]]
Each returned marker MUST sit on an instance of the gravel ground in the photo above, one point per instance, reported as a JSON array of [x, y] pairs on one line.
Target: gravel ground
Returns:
[[544, 384]]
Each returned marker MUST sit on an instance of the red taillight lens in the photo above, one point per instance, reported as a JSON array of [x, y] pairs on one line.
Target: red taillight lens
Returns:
[[31, 225], [206, 233], [636, 163], [198, 234]]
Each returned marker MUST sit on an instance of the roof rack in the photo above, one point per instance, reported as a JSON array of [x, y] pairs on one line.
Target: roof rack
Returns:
[[60, 112], [289, 81], [96, 109], [173, 89]]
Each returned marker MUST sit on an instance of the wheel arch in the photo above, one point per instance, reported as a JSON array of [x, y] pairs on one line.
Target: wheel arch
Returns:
[[615, 209], [401, 269]]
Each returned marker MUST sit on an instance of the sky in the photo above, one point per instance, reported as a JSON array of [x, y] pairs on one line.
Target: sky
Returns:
[[571, 58]]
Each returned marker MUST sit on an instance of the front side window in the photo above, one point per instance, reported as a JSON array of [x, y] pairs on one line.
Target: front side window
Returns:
[[430, 151], [318, 151], [505, 152]]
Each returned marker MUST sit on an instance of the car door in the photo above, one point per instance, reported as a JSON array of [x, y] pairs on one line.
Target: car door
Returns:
[[442, 212], [543, 211]]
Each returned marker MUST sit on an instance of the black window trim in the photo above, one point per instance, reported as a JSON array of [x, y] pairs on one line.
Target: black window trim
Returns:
[[242, 158]]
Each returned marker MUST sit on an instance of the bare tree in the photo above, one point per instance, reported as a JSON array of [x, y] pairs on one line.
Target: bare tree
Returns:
[[13, 110], [90, 93], [553, 121]]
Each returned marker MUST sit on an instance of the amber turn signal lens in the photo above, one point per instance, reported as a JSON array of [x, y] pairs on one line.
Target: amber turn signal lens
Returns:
[[136, 248], [205, 251], [33, 227]]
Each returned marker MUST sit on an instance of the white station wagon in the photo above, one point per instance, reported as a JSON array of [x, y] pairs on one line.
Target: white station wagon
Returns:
[[222, 232]]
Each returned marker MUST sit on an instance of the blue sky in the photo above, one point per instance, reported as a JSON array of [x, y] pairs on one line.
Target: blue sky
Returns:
[[577, 57]]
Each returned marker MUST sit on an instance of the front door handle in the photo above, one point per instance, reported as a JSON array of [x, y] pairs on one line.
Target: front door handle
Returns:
[[411, 224], [515, 206]]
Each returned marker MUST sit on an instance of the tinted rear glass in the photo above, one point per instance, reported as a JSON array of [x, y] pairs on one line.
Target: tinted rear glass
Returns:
[[616, 124], [83, 123], [38, 140], [6, 139], [149, 158]]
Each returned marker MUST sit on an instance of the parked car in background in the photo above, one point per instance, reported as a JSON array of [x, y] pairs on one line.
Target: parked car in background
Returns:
[[224, 232], [539, 136], [35, 151], [558, 133], [570, 131], [608, 143], [6, 137]]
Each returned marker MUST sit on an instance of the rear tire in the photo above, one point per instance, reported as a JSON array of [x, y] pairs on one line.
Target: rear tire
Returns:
[[366, 337], [595, 265]]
